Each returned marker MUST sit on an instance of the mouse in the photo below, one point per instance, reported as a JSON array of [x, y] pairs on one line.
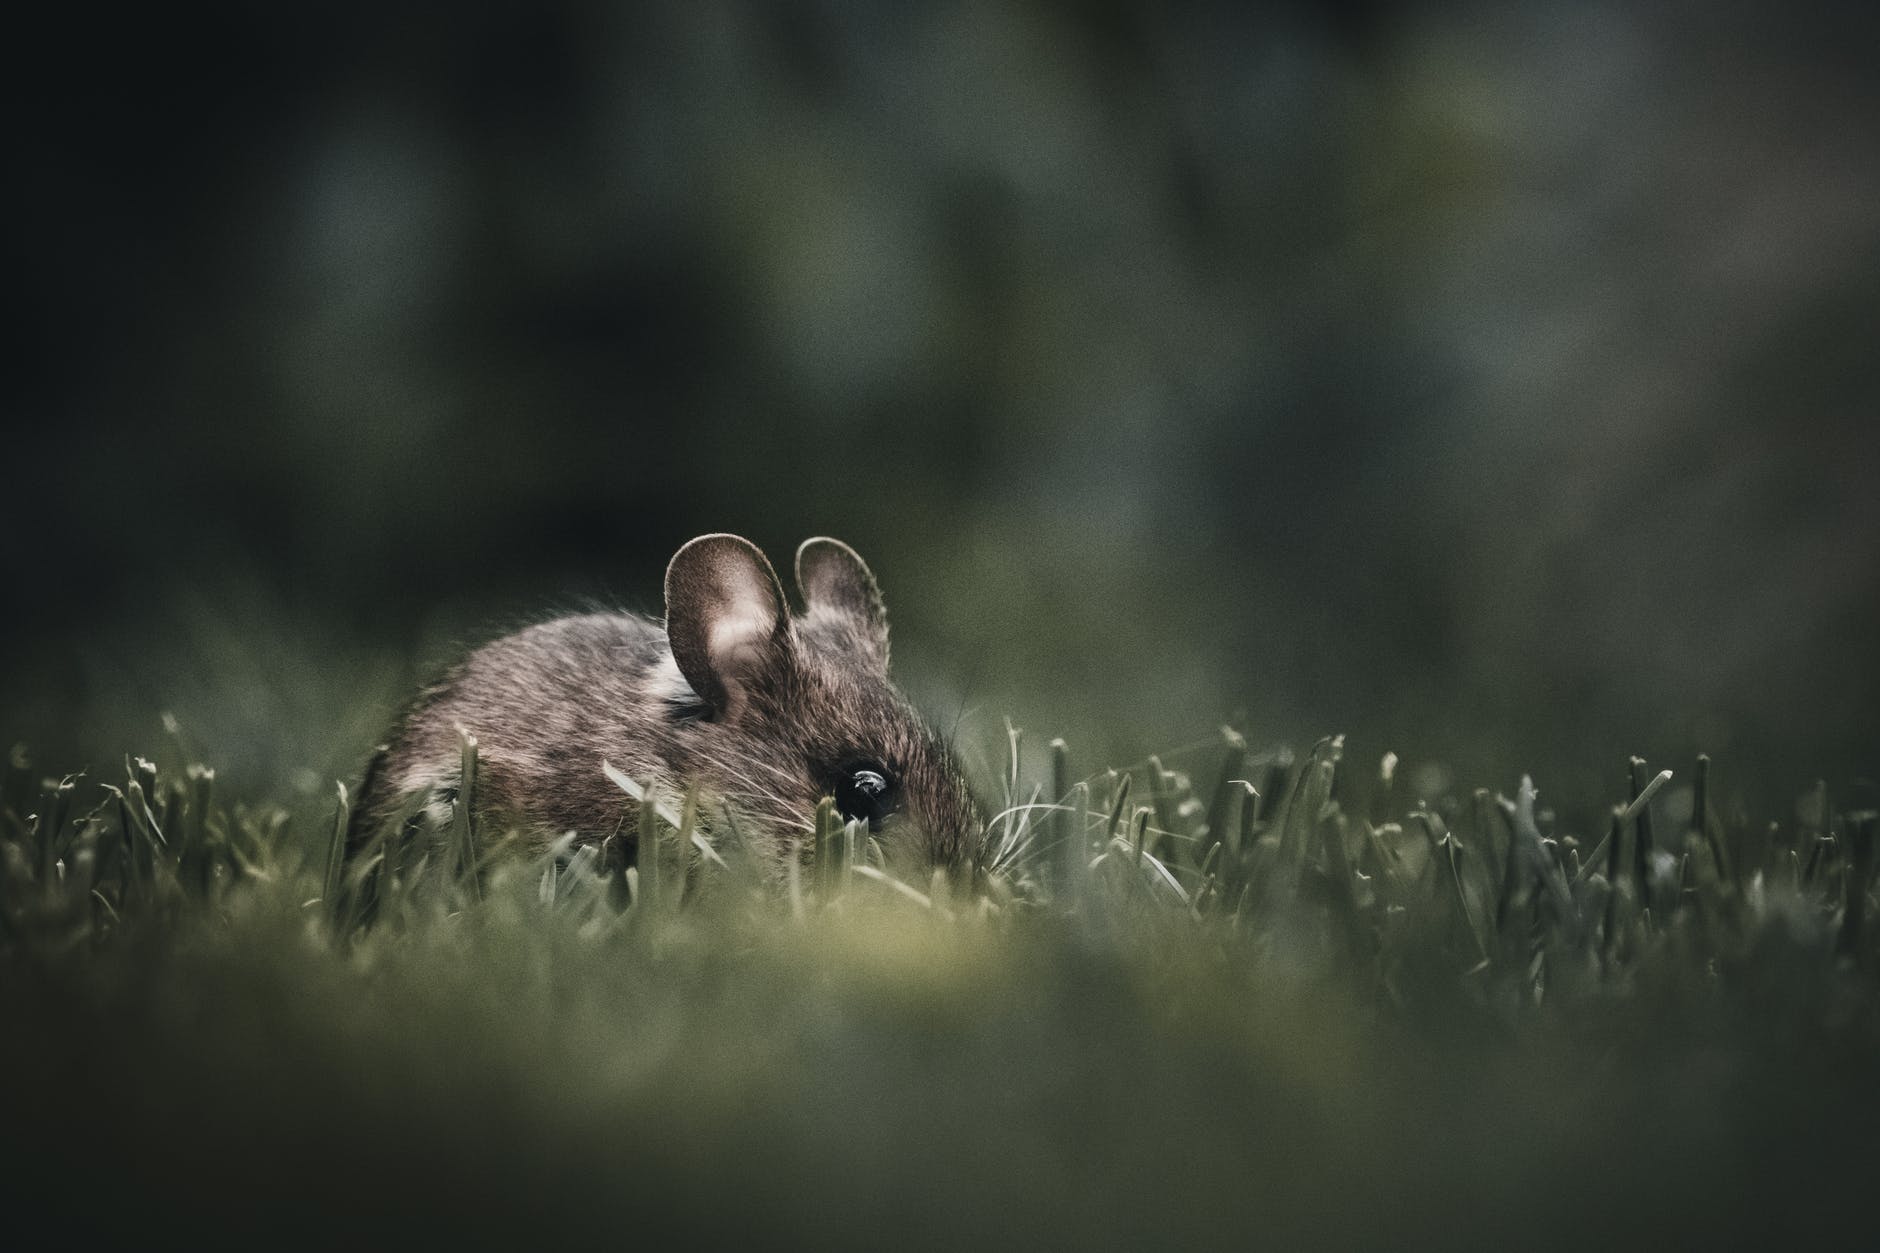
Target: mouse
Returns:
[[764, 707]]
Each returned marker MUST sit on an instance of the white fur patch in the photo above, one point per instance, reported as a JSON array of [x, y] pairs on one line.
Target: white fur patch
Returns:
[[426, 778], [665, 682]]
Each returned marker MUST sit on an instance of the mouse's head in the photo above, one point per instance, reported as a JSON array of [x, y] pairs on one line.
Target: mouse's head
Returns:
[[776, 709]]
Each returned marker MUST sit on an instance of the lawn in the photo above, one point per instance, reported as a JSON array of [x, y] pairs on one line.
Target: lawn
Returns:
[[1235, 997]]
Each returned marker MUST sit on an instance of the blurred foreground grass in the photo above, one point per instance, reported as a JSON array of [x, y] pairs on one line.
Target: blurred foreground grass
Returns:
[[1266, 1000]]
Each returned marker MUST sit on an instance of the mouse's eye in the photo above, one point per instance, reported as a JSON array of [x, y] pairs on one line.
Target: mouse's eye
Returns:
[[864, 795]]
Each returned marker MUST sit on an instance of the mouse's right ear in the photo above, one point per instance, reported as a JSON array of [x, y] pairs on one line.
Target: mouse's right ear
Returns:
[[833, 576], [725, 619]]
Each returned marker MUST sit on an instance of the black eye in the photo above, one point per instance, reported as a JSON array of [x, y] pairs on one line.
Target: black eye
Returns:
[[864, 795]]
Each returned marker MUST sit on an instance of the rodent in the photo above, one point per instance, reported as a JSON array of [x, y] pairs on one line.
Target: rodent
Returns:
[[764, 709]]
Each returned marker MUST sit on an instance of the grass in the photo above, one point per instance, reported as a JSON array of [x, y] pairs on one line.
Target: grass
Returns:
[[1225, 998]]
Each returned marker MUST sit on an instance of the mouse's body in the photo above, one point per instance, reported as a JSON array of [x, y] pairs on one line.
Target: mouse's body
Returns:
[[765, 710]]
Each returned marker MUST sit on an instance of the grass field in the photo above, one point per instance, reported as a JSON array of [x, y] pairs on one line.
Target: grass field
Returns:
[[1234, 998]]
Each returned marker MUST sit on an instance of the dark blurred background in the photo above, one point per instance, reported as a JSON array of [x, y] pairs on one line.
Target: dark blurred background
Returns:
[[1493, 383]]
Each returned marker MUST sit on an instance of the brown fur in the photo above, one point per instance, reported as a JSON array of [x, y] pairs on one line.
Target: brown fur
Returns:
[[763, 708]]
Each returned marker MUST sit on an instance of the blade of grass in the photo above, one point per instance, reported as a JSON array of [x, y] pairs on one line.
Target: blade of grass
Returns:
[[646, 857], [463, 817], [336, 850]]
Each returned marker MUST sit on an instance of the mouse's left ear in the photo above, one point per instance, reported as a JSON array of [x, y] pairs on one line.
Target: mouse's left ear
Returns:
[[725, 620], [834, 578]]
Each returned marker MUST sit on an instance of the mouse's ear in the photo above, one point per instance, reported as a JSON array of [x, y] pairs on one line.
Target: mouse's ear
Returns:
[[725, 618], [834, 578]]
